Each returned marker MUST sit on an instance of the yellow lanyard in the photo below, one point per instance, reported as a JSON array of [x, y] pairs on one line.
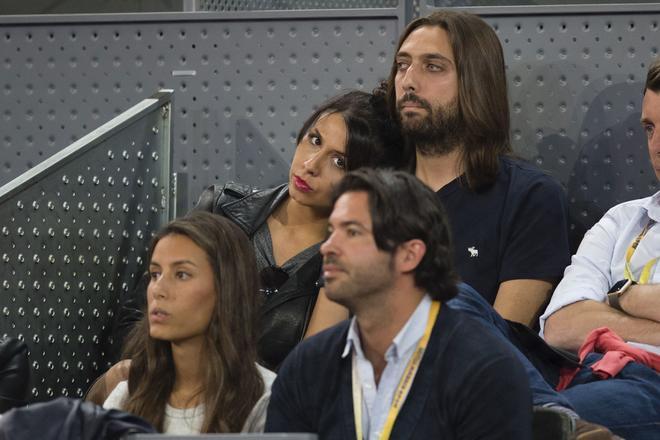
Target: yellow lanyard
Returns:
[[646, 270], [405, 383]]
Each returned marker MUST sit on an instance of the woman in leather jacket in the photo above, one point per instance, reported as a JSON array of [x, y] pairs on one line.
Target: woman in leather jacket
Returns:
[[286, 224]]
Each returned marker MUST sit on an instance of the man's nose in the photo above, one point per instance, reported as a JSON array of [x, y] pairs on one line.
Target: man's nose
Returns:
[[409, 81], [328, 246], [654, 143]]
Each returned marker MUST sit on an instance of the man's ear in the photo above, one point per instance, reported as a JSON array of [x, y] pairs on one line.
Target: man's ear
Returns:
[[409, 254]]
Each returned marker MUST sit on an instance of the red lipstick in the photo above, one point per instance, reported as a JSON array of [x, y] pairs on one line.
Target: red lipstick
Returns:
[[301, 185]]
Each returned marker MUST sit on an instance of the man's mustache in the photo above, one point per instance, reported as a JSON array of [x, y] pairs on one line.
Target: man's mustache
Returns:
[[331, 260], [412, 98]]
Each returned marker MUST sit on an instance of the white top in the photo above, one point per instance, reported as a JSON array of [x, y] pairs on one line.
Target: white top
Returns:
[[600, 259], [188, 421], [376, 400]]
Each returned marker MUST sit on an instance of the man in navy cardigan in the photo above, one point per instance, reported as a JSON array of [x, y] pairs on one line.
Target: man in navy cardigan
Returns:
[[405, 366]]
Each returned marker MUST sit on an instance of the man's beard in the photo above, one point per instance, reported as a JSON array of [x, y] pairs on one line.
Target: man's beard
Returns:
[[437, 133], [363, 285]]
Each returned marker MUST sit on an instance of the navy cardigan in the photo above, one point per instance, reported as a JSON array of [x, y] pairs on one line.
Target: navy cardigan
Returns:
[[469, 386]]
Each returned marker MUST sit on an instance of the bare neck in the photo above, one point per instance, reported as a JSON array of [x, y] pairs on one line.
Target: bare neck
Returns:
[[438, 170], [188, 358], [291, 214], [382, 319]]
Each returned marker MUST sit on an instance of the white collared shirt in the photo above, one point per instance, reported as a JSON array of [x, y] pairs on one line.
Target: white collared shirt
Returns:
[[376, 400], [600, 259]]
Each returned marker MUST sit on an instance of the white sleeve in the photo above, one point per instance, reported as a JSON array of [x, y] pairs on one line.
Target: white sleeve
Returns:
[[256, 420], [268, 377], [117, 397], [589, 275]]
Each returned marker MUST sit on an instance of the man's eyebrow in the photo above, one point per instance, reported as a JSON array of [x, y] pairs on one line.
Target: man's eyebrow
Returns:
[[346, 224], [432, 56], [437, 56], [351, 223]]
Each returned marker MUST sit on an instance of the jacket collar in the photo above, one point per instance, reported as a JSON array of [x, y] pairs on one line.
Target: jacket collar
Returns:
[[251, 211]]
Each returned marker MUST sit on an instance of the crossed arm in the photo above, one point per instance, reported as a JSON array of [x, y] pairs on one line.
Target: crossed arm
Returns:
[[640, 322], [580, 303], [643, 301]]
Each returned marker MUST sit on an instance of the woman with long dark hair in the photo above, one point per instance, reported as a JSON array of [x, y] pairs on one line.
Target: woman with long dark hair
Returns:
[[193, 355]]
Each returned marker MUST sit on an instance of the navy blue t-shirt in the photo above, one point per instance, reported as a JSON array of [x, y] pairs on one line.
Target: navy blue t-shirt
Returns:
[[514, 229]]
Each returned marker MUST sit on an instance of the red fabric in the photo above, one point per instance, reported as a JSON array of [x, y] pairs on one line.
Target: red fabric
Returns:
[[616, 355]]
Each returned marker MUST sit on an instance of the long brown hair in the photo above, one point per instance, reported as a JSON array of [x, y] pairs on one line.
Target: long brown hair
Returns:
[[482, 91], [232, 382]]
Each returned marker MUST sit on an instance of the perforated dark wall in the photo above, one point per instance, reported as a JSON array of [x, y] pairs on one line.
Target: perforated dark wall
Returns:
[[8, 7], [255, 5], [576, 90], [73, 235], [244, 82], [242, 86]]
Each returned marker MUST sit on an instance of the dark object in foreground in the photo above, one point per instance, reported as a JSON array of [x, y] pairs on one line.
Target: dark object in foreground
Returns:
[[65, 418], [14, 374]]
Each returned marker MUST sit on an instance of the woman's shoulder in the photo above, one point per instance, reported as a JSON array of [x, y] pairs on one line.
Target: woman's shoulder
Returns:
[[117, 397], [256, 420], [215, 198]]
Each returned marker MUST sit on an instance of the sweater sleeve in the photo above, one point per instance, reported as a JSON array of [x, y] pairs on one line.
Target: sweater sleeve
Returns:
[[285, 410]]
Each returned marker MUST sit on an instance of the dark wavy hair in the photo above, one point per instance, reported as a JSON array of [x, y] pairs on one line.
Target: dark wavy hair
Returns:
[[483, 103], [232, 383], [373, 140], [653, 78], [402, 208]]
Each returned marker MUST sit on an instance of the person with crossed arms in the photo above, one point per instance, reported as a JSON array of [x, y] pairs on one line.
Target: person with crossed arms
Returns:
[[614, 279]]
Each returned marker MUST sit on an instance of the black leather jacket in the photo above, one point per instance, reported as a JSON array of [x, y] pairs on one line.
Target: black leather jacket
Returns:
[[65, 418], [285, 313], [14, 374]]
